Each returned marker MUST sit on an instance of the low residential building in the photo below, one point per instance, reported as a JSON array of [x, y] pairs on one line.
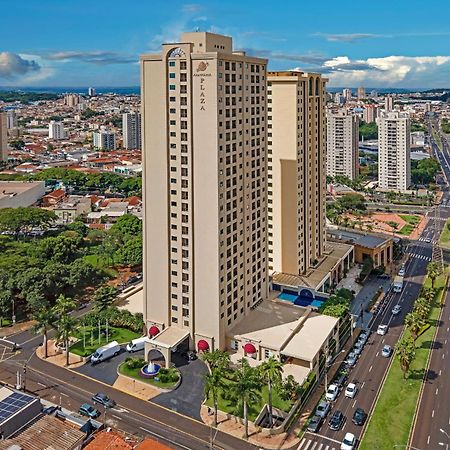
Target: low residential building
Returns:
[[73, 207], [53, 198], [379, 248], [15, 194]]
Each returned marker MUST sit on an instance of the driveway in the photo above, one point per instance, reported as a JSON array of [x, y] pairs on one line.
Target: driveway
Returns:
[[188, 398], [106, 371]]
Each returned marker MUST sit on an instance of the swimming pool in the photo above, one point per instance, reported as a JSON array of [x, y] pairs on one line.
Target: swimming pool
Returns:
[[289, 297]]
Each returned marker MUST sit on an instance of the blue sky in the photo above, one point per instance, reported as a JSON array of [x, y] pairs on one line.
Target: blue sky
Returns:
[[403, 43]]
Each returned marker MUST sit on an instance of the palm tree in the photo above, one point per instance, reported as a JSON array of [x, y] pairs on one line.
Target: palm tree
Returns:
[[271, 372], [104, 297], [45, 319], [65, 328], [414, 323], [433, 271], [246, 389], [217, 359], [422, 307], [63, 306], [213, 386], [428, 294], [406, 352]]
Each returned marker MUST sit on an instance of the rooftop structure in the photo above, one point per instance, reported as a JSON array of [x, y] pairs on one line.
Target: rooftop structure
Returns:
[[14, 194]]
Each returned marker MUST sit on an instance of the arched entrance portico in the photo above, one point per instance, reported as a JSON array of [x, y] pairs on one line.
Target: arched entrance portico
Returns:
[[165, 343], [156, 356]]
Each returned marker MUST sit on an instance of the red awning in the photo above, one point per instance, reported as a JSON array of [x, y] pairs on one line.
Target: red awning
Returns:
[[154, 330], [202, 345], [249, 348]]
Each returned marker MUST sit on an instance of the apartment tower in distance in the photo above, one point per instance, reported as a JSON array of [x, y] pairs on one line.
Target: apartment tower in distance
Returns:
[[342, 144], [205, 218], [394, 158], [131, 125], [3, 136]]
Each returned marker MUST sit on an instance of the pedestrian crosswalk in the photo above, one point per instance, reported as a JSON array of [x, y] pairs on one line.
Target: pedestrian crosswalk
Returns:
[[419, 256], [428, 240], [309, 444], [442, 219]]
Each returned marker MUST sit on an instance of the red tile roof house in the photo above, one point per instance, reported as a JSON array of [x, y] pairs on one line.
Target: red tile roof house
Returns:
[[53, 198]]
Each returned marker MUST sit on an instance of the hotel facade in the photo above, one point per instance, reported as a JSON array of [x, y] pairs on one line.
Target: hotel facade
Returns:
[[205, 190]]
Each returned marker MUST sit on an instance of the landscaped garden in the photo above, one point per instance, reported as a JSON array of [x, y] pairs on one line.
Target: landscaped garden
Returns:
[[445, 236], [165, 378], [393, 416]]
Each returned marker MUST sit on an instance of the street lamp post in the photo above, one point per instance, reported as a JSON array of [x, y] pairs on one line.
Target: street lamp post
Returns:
[[327, 366]]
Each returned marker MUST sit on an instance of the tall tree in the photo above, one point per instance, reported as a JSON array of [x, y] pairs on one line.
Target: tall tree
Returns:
[[217, 359], [246, 389], [414, 323], [65, 328], [213, 385], [104, 297], [45, 320], [406, 352], [433, 271], [271, 371], [63, 306]]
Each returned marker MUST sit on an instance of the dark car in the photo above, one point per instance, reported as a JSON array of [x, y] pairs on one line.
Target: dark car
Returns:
[[88, 410], [340, 379], [104, 400], [190, 355], [336, 421], [359, 417], [314, 424]]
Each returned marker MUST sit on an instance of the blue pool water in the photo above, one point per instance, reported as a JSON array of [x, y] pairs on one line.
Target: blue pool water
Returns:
[[300, 300], [288, 297]]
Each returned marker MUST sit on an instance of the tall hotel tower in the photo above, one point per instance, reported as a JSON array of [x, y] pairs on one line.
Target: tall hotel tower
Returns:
[[296, 171], [205, 218]]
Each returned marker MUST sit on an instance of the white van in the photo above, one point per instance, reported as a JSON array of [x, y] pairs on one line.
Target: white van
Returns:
[[105, 352], [137, 344]]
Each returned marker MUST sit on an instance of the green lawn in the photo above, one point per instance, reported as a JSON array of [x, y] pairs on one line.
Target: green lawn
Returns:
[[254, 409], [445, 236], [406, 230], [5, 322], [121, 335], [101, 262], [410, 219], [393, 416], [135, 373]]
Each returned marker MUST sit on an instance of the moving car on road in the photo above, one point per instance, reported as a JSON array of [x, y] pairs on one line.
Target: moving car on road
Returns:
[[387, 351], [323, 408], [396, 309], [401, 272], [332, 393], [336, 421], [104, 400], [359, 417], [349, 442], [314, 424], [351, 390], [382, 329], [89, 411]]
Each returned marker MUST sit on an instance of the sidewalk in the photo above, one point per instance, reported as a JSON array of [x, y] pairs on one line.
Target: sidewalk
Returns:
[[17, 328], [57, 358]]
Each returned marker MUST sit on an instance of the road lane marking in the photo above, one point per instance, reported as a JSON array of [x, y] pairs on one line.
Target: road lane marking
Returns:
[[370, 369], [314, 446], [302, 442], [62, 393], [437, 391], [443, 356], [41, 384], [363, 384], [377, 354], [432, 413], [328, 438], [428, 440], [116, 417], [440, 372], [354, 403], [320, 446]]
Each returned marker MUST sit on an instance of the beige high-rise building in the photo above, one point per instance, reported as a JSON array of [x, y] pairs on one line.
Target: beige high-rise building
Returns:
[[394, 158], [370, 113], [388, 103], [205, 218], [296, 171], [342, 144], [361, 93], [3, 137]]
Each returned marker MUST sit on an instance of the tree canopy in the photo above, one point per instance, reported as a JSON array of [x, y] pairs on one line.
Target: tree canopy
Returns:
[[22, 220]]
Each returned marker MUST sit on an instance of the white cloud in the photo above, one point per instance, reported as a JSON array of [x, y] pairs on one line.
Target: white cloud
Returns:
[[13, 65]]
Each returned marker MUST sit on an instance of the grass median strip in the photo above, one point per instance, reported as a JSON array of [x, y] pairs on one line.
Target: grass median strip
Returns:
[[393, 416]]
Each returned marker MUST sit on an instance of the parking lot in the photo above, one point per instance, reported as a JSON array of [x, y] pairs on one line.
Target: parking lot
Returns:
[[186, 399]]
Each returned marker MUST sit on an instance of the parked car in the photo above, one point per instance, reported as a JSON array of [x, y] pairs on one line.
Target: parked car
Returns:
[[336, 421], [387, 351], [314, 424], [351, 359], [332, 392], [350, 390], [349, 442], [396, 309], [323, 408], [340, 379], [190, 355], [89, 411], [382, 329], [358, 348], [104, 400], [364, 337], [402, 271], [359, 416]]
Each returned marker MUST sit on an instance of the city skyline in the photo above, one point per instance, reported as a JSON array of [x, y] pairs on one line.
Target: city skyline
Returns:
[[372, 51]]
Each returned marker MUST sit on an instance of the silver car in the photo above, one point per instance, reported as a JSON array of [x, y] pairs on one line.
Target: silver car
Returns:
[[351, 359]]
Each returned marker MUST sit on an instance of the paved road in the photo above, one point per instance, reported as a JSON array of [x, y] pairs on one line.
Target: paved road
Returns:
[[371, 368], [434, 408]]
